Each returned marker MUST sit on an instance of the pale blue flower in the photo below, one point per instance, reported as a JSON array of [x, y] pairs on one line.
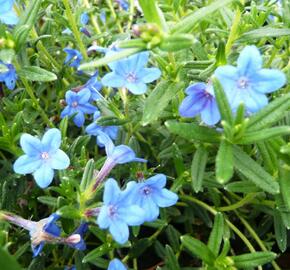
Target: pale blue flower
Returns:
[[117, 213], [131, 73], [249, 82], [78, 105], [73, 58], [200, 100], [84, 18], [41, 157], [8, 75], [94, 85], [150, 195], [116, 264], [7, 14], [95, 130]]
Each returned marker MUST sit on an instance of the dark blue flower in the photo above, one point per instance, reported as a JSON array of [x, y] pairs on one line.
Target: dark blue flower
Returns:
[[200, 100], [117, 213], [150, 195], [78, 103], [249, 82], [81, 230], [94, 129], [131, 73], [116, 264], [8, 75], [41, 157], [73, 58], [94, 85], [7, 15]]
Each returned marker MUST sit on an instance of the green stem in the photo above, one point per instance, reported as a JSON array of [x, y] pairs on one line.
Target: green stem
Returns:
[[239, 204], [109, 3], [92, 17], [131, 14], [73, 25]]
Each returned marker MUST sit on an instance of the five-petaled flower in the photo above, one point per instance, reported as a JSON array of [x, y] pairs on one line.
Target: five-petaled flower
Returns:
[[7, 15], [131, 73], [73, 58], [41, 157], [8, 75], [249, 82], [78, 104], [200, 100], [117, 213], [116, 264], [94, 129], [150, 195]]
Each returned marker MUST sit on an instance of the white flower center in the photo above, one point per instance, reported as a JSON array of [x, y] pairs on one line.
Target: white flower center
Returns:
[[74, 104], [131, 77], [44, 155], [243, 82]]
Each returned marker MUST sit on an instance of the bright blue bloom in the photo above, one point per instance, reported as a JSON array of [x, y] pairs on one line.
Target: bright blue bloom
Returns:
[[94, 129], [81, 230], [123, 4], [85, 18], [249, 82], [131, 73], [78, 103], [7, 15], [117, 212], [200, 100], [8, 75], [103, 16], [94, 85], [41, 157], [116, 264], [150, 195], [73, 58]]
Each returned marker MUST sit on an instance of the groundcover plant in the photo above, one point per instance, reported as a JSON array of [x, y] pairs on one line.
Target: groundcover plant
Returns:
[[150, 134]]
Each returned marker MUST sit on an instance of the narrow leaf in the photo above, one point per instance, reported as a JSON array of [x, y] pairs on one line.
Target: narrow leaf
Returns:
[[37, 74], [216, 235], [253, 259], [280, 231]]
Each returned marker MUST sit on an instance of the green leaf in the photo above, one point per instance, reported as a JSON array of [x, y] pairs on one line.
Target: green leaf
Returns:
[[192, 131], [173, 237], [198, 167], [265, 32], [170, 259], [224, 162], [284, 181], [158, 100], [216, 235], [253, 259], [280, 231], [139, 247], [222, 102], [8, 262], [242, 186], [186, 24], [87, 175], [198, 248], [36, 74], [70, 212], [48, 200], [264, 134], [111, 121], [97, 252], [270, 114], [254, 172], [176, 42]]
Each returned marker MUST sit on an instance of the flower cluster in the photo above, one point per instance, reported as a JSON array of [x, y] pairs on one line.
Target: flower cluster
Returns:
[[248, 83]]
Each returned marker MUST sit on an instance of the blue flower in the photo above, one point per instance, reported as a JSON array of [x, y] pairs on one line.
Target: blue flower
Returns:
[[94, 85], [7, 15], [94, 129], [41, 157], [150, 195], [67, 31], [116, 264], [123, 4], [249, 82], [200, 100], [73, 58], [80, 231], [117, 213], [131, 73], [78, 103], [8, 75], [84, 18]]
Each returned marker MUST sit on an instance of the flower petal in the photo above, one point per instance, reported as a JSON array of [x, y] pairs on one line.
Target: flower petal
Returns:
[[157, 181], [150, 208], [87, 108], [148, 75], [103, 219], [211, 115], [26, 164], [9, 17], [165, 198], [107, 142], [249, 61], [112, 191], [51, 140], [196, 88], [133, 215], [122, 154], [120, 231], [67, 111], [83, 96], [59, 160], [138, 61], [79, 119], [30, 145], [112, 79], [192, 105], [116, 265], [44, 175], [136, 88], [268, 80]]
